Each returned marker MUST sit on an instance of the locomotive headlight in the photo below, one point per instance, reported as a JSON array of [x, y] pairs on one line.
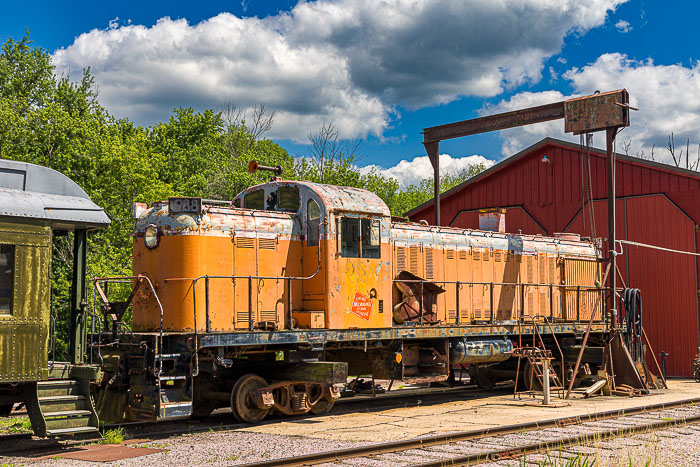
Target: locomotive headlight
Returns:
[[150, 237]]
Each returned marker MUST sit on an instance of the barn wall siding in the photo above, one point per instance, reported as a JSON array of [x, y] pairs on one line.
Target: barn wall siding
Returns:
[[656, 204]]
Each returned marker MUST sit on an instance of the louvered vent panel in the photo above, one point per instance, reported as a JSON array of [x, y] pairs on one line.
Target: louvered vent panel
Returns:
[[553, 270], [486, 255], [241, 317], [542, 260], [450, 254], [530, 271], [400, 258], [429, 267], [477, 255], [245, 242], [544, 302], [413, 259], [267, 243], [463, 254], [498, 256], [268, 315], [452, 315]]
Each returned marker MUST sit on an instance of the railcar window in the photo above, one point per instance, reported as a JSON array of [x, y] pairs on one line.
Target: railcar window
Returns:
[[313, 220], [350, 237], [7, 277], [370, 238], [237, 203], [254, 200], [359, 238], [288, 198]]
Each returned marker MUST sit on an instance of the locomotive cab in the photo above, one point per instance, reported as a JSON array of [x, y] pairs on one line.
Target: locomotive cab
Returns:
[[343, 236]]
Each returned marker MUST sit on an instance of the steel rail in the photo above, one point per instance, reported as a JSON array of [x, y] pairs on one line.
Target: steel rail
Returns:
[[544, 446], [437, 440]]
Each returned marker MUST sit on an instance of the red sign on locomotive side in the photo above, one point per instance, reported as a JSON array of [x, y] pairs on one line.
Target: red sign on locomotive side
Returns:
[[361, 306]]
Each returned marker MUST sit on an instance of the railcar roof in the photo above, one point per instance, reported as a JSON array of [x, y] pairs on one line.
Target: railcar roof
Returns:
[[338, 198], [34, 192]]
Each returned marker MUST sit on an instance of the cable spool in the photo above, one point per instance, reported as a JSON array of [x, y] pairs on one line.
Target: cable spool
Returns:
[[632, 301]]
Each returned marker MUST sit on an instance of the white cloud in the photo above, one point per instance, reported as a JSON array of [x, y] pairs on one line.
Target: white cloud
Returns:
[[668, 98], [623, 26], [350, 61], [419, 168]]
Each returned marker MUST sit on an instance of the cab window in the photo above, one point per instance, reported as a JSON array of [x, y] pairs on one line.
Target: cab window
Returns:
[[359, 238], [313, 221], [288, 198], [254, 200], [237, 203], [7, 277]]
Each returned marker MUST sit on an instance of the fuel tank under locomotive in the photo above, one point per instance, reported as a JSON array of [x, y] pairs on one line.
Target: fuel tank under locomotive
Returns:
[[464, 350]]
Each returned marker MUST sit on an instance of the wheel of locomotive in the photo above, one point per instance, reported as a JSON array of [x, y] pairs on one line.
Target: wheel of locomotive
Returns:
[[484, 378], [243, 399], [6, 410], [202, 406], [323, 406]]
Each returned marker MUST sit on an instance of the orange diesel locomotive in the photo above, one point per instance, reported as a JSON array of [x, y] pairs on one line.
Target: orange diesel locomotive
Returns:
[[268, 302]]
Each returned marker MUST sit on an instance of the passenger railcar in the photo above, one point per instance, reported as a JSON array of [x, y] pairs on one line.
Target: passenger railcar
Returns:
[[36, 205]]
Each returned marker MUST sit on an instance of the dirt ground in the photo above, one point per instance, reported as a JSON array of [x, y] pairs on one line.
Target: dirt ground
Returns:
[[472, 414]]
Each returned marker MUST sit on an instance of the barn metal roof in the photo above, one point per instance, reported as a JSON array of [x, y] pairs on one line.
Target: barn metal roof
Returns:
[[35, 192], [527, 151]]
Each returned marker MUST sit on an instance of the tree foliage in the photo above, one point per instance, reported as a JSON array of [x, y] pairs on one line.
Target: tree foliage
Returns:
[[59, 123]]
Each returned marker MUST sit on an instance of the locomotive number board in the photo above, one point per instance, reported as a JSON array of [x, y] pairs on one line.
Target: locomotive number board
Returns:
[[178, 205]]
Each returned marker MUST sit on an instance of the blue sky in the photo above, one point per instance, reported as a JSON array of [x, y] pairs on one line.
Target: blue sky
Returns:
[[381, 71]]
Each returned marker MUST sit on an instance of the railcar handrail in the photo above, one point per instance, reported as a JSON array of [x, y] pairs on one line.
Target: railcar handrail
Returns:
[[135, 280], [563, 288], [250, 278]]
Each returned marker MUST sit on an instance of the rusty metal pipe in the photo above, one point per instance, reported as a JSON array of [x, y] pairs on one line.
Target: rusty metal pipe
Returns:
[[609, 139], [656, 362], [585, 339], [206, 303], [457, 287], [251, 323]]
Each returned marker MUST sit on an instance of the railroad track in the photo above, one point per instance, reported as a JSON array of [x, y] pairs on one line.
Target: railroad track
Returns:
[[511, 441], [217, 421], [368, 402]]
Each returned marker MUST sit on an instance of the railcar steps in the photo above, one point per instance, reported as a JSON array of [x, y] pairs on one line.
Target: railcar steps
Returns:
[[62, 407]]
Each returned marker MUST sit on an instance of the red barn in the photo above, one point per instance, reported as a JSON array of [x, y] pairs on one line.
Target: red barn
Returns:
[[657, 204]]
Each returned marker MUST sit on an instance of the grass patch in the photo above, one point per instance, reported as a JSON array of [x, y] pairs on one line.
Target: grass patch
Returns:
[[574, 461], [115, 436], [15, 425]]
